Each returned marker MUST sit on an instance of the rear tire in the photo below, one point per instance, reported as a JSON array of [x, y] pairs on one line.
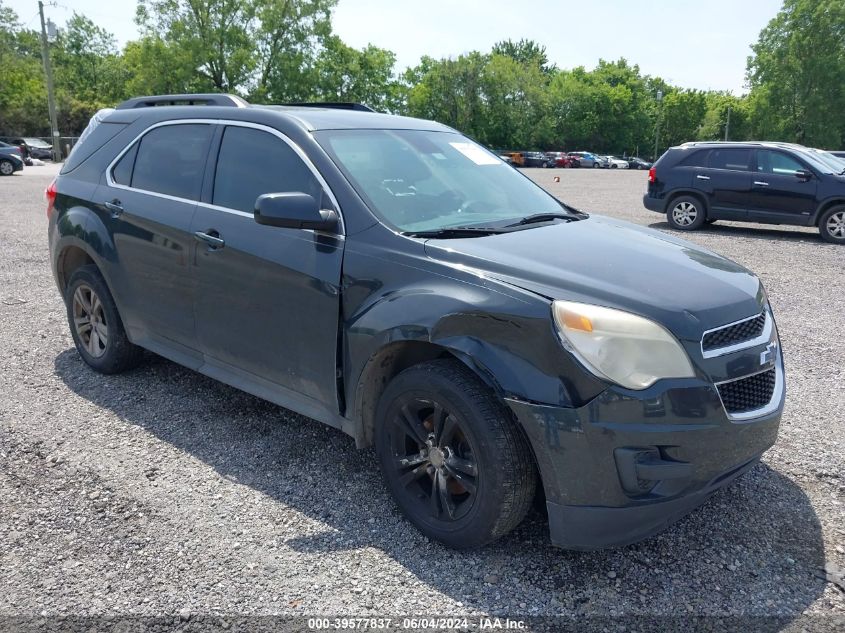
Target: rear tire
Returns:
[[686, 213], [453, 458], [832, 225], [95, 324], [7, 168]]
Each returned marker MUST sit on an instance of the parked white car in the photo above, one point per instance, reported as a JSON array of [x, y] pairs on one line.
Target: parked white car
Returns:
[[616, 163]]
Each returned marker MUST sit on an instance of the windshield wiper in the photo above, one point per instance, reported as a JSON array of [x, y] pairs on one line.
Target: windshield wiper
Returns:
[[456, 232], [544, 217]]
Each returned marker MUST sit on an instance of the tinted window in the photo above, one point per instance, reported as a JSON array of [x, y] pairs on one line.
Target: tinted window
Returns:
[[252, 162], [777, 163], [736, 159], [122, 172], [171, 160], [696, 159]]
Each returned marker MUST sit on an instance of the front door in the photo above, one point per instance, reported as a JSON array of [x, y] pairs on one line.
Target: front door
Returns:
[[268, 298], [780, 191]]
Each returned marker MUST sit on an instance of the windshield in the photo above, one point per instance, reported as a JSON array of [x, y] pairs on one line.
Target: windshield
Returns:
[[418, 180], [35, 142], [819, 162], [835, 163]]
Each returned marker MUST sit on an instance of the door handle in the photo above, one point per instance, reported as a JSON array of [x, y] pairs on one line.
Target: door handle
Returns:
[[114, 206], [211, 238], [700, 177], [761, 183]]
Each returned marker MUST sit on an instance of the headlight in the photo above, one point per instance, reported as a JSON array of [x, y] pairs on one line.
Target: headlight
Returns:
[[621, 347]]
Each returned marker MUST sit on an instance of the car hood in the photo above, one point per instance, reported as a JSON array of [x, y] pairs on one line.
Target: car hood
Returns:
[[616, 264]]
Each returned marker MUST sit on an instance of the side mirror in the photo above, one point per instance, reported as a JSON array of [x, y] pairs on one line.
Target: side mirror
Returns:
[[804, 175], [294, 211]]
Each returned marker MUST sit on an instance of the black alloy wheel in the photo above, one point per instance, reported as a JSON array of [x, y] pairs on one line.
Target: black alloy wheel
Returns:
[[453, 458]]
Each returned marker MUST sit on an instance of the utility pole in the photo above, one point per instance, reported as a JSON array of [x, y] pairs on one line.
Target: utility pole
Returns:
[[51, 99], [728, 123], [657, 126]]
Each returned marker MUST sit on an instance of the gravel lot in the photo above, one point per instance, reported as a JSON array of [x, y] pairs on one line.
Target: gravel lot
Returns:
[[162, 492]]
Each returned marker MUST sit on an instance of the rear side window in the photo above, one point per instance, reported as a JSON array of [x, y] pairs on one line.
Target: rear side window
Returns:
[[171, 159], [734, 159], [696, 159], [253, 162]]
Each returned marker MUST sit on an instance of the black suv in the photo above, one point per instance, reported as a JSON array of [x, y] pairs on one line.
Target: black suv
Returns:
[[389, 277], [773, 183]]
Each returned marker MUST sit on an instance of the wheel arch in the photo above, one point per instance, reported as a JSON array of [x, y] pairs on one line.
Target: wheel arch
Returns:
[[824, 207], [388, 362], [71, 258], [678, 193]]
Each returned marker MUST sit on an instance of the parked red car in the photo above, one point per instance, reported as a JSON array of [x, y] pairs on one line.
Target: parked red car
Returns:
[[558, 159]]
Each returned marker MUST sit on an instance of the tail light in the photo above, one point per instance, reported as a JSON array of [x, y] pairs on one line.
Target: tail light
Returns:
[[50, 194], [652, 175]]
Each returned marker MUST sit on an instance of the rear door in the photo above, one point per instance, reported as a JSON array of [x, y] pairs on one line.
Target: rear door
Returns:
[[147, 205], [268, 298], [726, 181], [780, 193]]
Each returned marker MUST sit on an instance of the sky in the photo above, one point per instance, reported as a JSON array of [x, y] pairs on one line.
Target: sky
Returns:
[[689, 43]]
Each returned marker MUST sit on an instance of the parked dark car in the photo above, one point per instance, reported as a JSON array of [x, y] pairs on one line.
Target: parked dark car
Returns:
[[770, 183], [838, 154], [534, 159], [34, 147], [11, 159], [638, 163], [391, 278], [557, 159]]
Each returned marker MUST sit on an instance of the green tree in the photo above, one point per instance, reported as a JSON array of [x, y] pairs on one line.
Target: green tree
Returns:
[[524, 52], [343, 73], [23, 93], [264, 49], [449, 91], [797, 74]]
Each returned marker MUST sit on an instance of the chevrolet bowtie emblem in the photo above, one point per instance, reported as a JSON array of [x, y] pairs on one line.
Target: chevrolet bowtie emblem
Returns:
[[768, 355]]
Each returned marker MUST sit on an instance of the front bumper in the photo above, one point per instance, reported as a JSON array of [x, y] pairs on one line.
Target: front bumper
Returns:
[[673, 439]]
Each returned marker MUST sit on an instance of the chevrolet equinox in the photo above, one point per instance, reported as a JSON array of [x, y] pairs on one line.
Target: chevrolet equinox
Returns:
[[389, 277]]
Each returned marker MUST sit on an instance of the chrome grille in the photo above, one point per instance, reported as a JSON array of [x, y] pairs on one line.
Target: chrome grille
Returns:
[[749, 393], [734, 334]]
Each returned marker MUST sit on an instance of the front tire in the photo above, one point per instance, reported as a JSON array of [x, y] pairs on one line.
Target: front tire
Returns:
[[832, 225], [453, 458], [95, 324], [7, 168], [686, 213]]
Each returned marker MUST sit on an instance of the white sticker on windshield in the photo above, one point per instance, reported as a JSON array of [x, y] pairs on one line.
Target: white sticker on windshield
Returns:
[[476, 154]]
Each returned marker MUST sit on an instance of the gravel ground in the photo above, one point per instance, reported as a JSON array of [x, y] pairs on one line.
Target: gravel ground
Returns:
[[162, 492]]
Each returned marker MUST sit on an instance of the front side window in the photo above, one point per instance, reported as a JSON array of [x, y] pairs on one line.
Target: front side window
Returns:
[[771, 162], [171, 160], [417, 180], [253, 162], [733, 159]]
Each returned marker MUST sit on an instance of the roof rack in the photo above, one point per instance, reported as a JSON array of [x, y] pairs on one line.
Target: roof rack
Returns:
[[232, 101], [358, 107]]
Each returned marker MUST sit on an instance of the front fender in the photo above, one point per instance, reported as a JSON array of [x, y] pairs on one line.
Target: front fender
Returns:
[[509, 341]]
